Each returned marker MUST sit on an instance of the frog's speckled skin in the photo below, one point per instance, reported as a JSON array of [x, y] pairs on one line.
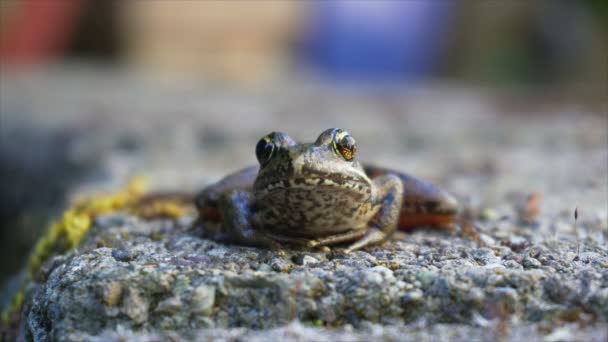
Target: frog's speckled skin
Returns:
[[311, 194]]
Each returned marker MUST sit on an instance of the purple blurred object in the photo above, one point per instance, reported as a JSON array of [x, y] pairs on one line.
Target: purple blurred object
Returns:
[[376, 40]]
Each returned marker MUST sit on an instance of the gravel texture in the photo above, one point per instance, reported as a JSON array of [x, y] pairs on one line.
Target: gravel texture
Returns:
[[520, 168]]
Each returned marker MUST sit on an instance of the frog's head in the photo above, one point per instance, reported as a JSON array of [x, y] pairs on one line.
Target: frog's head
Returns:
[[329, 162]]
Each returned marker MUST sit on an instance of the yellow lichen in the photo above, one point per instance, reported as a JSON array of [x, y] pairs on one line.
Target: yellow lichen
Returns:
[[162, 208], [68, 231], [14, 306]]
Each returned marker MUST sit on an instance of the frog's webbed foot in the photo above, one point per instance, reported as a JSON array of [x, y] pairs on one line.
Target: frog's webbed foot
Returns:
[[317, 244], [290, 240], [372, 236], [390, 197], [338, 238], [235, 208]]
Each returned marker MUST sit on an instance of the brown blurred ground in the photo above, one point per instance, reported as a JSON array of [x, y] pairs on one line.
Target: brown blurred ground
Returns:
[[541, 42]]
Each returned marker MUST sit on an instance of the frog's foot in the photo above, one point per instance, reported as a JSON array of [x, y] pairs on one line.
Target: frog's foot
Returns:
[[259, 239], [338, 238], [290, 240], [321, 244], [372, 237], [324, 249]]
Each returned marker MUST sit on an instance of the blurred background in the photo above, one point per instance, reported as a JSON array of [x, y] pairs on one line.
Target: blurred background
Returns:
[[486, 98]]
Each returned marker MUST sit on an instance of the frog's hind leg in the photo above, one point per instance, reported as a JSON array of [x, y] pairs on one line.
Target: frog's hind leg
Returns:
[[235, 209], [390, 198], [207, 201], [424, 204]]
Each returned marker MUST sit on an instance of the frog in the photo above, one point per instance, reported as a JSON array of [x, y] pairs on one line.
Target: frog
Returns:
[[318, 194]]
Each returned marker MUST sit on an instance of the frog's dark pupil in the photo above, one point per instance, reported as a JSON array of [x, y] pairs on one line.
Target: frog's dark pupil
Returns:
[[348, 142], [263, 150], [347, 147]]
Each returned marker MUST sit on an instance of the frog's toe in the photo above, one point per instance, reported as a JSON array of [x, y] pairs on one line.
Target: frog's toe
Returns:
[[325, 249], [280, 252], [312, 243], [373, 236], [272, 245]]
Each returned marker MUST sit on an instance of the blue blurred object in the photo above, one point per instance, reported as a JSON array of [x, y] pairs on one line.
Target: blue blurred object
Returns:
[[376, 40]]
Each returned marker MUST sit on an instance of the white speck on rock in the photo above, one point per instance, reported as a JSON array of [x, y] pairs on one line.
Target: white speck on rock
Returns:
[[136, 307], [495, 266], [203, 298], [307, 259], [381, 274], [170, 305]]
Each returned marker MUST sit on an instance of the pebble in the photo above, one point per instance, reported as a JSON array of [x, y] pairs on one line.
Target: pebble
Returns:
[[122, 255], [203, 298]]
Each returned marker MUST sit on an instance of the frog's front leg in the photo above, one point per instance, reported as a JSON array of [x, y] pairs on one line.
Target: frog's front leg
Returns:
[[389, 196], [235, 208]]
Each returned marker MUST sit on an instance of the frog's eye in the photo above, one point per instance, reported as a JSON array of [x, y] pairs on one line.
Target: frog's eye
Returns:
[[264, 149], [345, 145]]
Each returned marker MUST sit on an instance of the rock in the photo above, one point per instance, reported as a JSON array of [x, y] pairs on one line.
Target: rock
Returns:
[[182, 283], [412, 297], [506, 297], [304, 259], [488, 214], [203, 298], [530, 262], [425, 278], [112, 293], [475, 295], [135, 306], [170, 305], [485, 256], [512, 264], [281, 265], [122, 255], [198, 288]]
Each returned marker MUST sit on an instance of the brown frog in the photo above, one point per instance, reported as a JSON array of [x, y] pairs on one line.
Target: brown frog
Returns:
[[318, 194]]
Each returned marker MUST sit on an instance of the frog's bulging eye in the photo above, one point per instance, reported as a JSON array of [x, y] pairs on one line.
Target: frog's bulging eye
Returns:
[[264, 150], [345, 145]]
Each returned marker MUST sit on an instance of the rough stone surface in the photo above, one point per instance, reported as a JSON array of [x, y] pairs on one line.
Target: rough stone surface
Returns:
[[419, 285], [158, 280]]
